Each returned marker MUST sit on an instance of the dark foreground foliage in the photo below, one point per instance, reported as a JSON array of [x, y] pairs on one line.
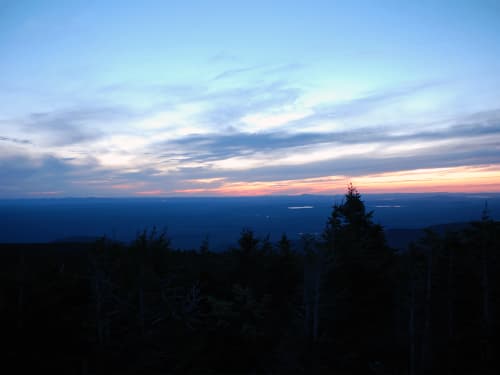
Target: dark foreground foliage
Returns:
[[341, 303]]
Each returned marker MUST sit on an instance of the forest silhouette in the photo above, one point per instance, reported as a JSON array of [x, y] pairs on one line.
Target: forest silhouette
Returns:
[[342, 302]]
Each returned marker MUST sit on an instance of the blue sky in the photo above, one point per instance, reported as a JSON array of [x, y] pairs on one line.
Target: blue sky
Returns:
[[127, 98]]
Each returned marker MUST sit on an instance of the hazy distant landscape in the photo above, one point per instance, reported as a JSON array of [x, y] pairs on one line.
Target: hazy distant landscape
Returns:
[[190, 220]]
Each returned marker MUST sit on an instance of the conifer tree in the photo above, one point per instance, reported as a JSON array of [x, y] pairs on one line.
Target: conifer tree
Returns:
[[359, 279]]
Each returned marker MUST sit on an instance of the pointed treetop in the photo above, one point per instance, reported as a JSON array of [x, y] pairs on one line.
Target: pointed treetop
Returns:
[[486, 212], [352, 192], [353, 204]]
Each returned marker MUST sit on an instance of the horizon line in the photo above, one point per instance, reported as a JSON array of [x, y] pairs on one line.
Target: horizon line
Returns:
[[144, 197]]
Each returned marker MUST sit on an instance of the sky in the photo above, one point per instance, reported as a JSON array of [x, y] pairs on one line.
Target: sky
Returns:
[[182, 98]]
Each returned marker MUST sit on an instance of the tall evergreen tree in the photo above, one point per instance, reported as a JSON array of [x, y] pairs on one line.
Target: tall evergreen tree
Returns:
[[360, 280]]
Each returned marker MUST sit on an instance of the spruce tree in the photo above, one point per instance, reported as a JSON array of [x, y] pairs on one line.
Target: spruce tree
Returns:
[[360, 281]]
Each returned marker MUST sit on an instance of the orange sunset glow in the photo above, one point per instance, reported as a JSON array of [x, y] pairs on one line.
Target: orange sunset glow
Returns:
[[456, 179]]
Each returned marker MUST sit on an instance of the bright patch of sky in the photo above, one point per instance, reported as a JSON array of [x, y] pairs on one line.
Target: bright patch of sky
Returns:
[[119, 98]]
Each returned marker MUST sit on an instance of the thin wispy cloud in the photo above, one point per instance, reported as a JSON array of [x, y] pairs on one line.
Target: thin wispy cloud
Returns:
[[235, 72], [264, 70]]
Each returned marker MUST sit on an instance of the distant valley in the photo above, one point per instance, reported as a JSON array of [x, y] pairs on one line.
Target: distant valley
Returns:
[[190, 220]]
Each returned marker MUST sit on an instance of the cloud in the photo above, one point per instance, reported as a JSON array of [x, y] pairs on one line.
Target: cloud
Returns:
[[350, 166], [364, 164], [21, 175], [264, 156], [450, 179], [215, 146], [86, 150], [51, 175], [234, 72], [226, 108], [265, 106], [212, 108], [263, 70], [72, 126], [362, 105], [16, 140]]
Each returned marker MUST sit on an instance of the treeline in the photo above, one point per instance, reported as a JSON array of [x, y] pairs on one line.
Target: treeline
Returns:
[[343, 302]]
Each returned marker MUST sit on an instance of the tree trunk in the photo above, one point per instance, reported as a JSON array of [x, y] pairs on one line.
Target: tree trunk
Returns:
[[451, 312], [141, 302], [307, 305], [98, 310], [21, 292], [316, 303], [411, 320], [486, 310], [486, 291], [411, 327], [427, 339]]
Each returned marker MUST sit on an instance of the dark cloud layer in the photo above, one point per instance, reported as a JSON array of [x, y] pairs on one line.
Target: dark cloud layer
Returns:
[[363, 165], [16, 140], [21, 175]]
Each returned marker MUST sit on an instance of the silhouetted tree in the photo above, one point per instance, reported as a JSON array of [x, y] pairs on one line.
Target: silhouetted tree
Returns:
[[248, 242], [284, 246], [205, 246], [360, 278]]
